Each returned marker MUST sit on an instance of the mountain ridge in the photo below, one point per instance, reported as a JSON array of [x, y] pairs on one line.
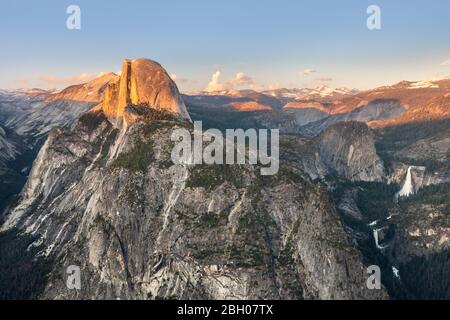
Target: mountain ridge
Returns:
[[109, 200]]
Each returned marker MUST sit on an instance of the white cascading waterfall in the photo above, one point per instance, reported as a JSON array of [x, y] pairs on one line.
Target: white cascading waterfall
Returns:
[[407, 188], [396, 272], [375, 237], [375, 231]]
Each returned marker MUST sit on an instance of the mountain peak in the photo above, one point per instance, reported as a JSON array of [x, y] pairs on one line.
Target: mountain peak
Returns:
[[143, 82], [91, 91]]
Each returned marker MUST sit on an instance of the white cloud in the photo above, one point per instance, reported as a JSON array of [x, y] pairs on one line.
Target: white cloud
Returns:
[[215, 84], [178, 79], [446, 63], [241, 79], [306, 72]]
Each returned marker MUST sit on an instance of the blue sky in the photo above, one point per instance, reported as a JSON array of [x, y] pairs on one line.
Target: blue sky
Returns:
[[268, 43]]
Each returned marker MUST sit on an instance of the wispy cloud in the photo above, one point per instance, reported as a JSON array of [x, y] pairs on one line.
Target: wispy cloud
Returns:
[[324, 79], [241, 79], [446, 63], [306, 72], [81, 78], [178, 79]]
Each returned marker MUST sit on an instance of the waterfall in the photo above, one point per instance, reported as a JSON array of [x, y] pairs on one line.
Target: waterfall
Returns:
[[377, 240], [375, 236], [396, 272], [407, 188]]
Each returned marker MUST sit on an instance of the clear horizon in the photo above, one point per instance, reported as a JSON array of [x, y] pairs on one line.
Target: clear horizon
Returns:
[[253, 44]]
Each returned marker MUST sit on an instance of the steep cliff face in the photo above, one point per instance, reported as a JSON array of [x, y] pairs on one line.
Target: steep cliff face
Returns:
[[11, 145], [109, 200], [143, 82], [141, 227], [12, 170], [345, 150], [411, 178], [423, 222], [91, 91], [348, 149]]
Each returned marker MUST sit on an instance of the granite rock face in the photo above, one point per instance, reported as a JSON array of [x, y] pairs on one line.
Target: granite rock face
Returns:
[[143, 82], [109, 200], [140, 227], [344, 150], [348, 149]]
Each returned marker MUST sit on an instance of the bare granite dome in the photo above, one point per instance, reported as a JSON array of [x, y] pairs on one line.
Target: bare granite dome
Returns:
[[143, 82]]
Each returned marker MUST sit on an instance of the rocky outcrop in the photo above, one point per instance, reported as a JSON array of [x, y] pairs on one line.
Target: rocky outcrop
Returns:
[[345, 150], [91, 91], [140, 227], [143, 82], [348, 149]]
